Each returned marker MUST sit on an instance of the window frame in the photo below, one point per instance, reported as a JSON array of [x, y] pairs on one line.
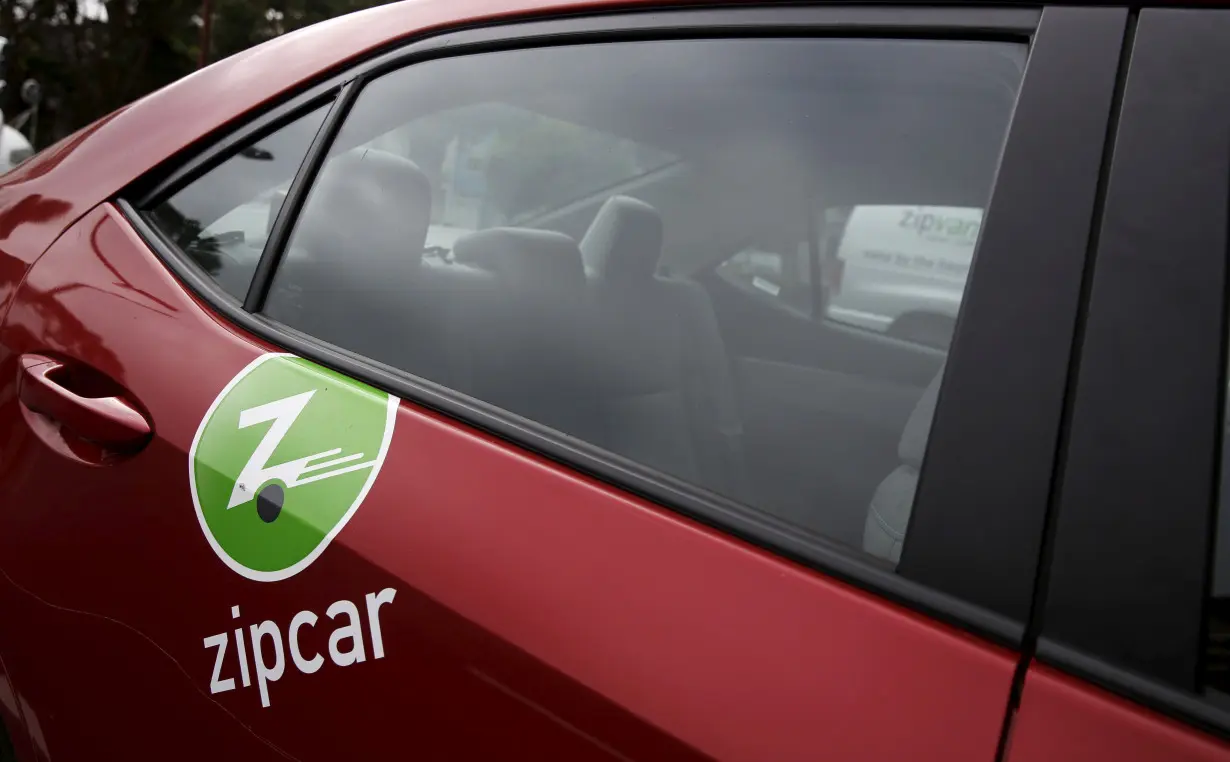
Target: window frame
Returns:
[[1049, 86], [1154, 339]]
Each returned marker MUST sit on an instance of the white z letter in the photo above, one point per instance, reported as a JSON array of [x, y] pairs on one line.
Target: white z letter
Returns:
[[216, 685], [283, 413], [257, 471]]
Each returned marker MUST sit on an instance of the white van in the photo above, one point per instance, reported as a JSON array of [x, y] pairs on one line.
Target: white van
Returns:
[[903, 269]]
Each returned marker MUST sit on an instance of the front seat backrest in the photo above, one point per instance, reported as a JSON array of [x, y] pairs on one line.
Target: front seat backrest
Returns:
[[623, 244], [673, 398], [352, 274], [522, 258], [520, 336], [369, 205], [888, 517]]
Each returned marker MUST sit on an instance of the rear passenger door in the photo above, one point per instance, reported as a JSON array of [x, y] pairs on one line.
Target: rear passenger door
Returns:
[[560, 546], [1130, 660]]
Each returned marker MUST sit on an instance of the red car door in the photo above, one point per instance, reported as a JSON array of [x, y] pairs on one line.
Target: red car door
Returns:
[[1131, 650], [284, 476]]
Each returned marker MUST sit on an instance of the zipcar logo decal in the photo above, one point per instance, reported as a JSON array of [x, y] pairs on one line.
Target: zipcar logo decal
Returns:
[[939, 227], [282, 460]]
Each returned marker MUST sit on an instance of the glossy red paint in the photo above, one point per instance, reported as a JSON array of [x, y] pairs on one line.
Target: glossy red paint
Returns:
[[535, 610], [11, 701], [1061, 718]]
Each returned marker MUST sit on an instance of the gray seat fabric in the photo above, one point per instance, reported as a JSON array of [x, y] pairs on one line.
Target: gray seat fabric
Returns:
[[521, 335], [888, 517], [672, 401], [623, 244], [355, 191], [522, 258]]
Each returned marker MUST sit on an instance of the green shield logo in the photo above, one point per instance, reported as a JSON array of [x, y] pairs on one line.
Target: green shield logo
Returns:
[[282, 460]]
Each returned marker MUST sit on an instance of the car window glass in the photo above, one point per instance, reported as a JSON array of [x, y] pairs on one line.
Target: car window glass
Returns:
[[902, 269], [222, 219], [782, 277], [1215, 677], [898, 271], [494, 164], [623, 242]]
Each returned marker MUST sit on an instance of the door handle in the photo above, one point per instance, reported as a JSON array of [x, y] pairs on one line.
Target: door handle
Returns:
[[108, 421]]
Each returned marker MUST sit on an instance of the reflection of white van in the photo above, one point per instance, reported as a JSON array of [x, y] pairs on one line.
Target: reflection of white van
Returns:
[[903, 269]]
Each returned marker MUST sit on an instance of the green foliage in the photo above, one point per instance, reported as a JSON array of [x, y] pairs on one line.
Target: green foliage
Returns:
[[90, 66]]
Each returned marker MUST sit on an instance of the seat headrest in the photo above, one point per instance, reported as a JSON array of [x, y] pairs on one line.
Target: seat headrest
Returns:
[[624, 242], [913, 444], [523, 257], [367, 203]]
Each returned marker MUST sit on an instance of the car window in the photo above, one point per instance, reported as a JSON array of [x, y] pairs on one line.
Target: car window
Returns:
[[536, 229], [894, 270], [779, 274], [222, 219]]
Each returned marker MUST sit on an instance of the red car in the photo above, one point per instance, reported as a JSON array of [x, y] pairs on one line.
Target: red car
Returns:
[[462, 381]]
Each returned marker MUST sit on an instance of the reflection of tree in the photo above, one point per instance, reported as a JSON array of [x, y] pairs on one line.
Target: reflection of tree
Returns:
[[428, 148], [528, 162], [431, 136], [187, 234], [547, 160], [45, 321], [30, 209], [120, 279]]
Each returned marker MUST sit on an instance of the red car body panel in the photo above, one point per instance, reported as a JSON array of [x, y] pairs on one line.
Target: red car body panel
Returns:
[[1061, 718], [538, 614], [535, 609]]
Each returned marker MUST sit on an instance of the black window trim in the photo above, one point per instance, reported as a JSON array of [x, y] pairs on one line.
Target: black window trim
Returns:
[[730, 517], [172, 176], [995, 441], [1110, 508], [296, 197]]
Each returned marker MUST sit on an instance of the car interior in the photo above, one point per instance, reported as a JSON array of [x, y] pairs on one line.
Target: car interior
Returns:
[[605, 318]]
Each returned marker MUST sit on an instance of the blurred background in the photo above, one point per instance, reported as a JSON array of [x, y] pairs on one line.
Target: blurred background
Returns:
[[66, 63]]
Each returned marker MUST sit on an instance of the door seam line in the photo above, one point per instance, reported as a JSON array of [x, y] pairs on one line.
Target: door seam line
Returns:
[[1033, 624]]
